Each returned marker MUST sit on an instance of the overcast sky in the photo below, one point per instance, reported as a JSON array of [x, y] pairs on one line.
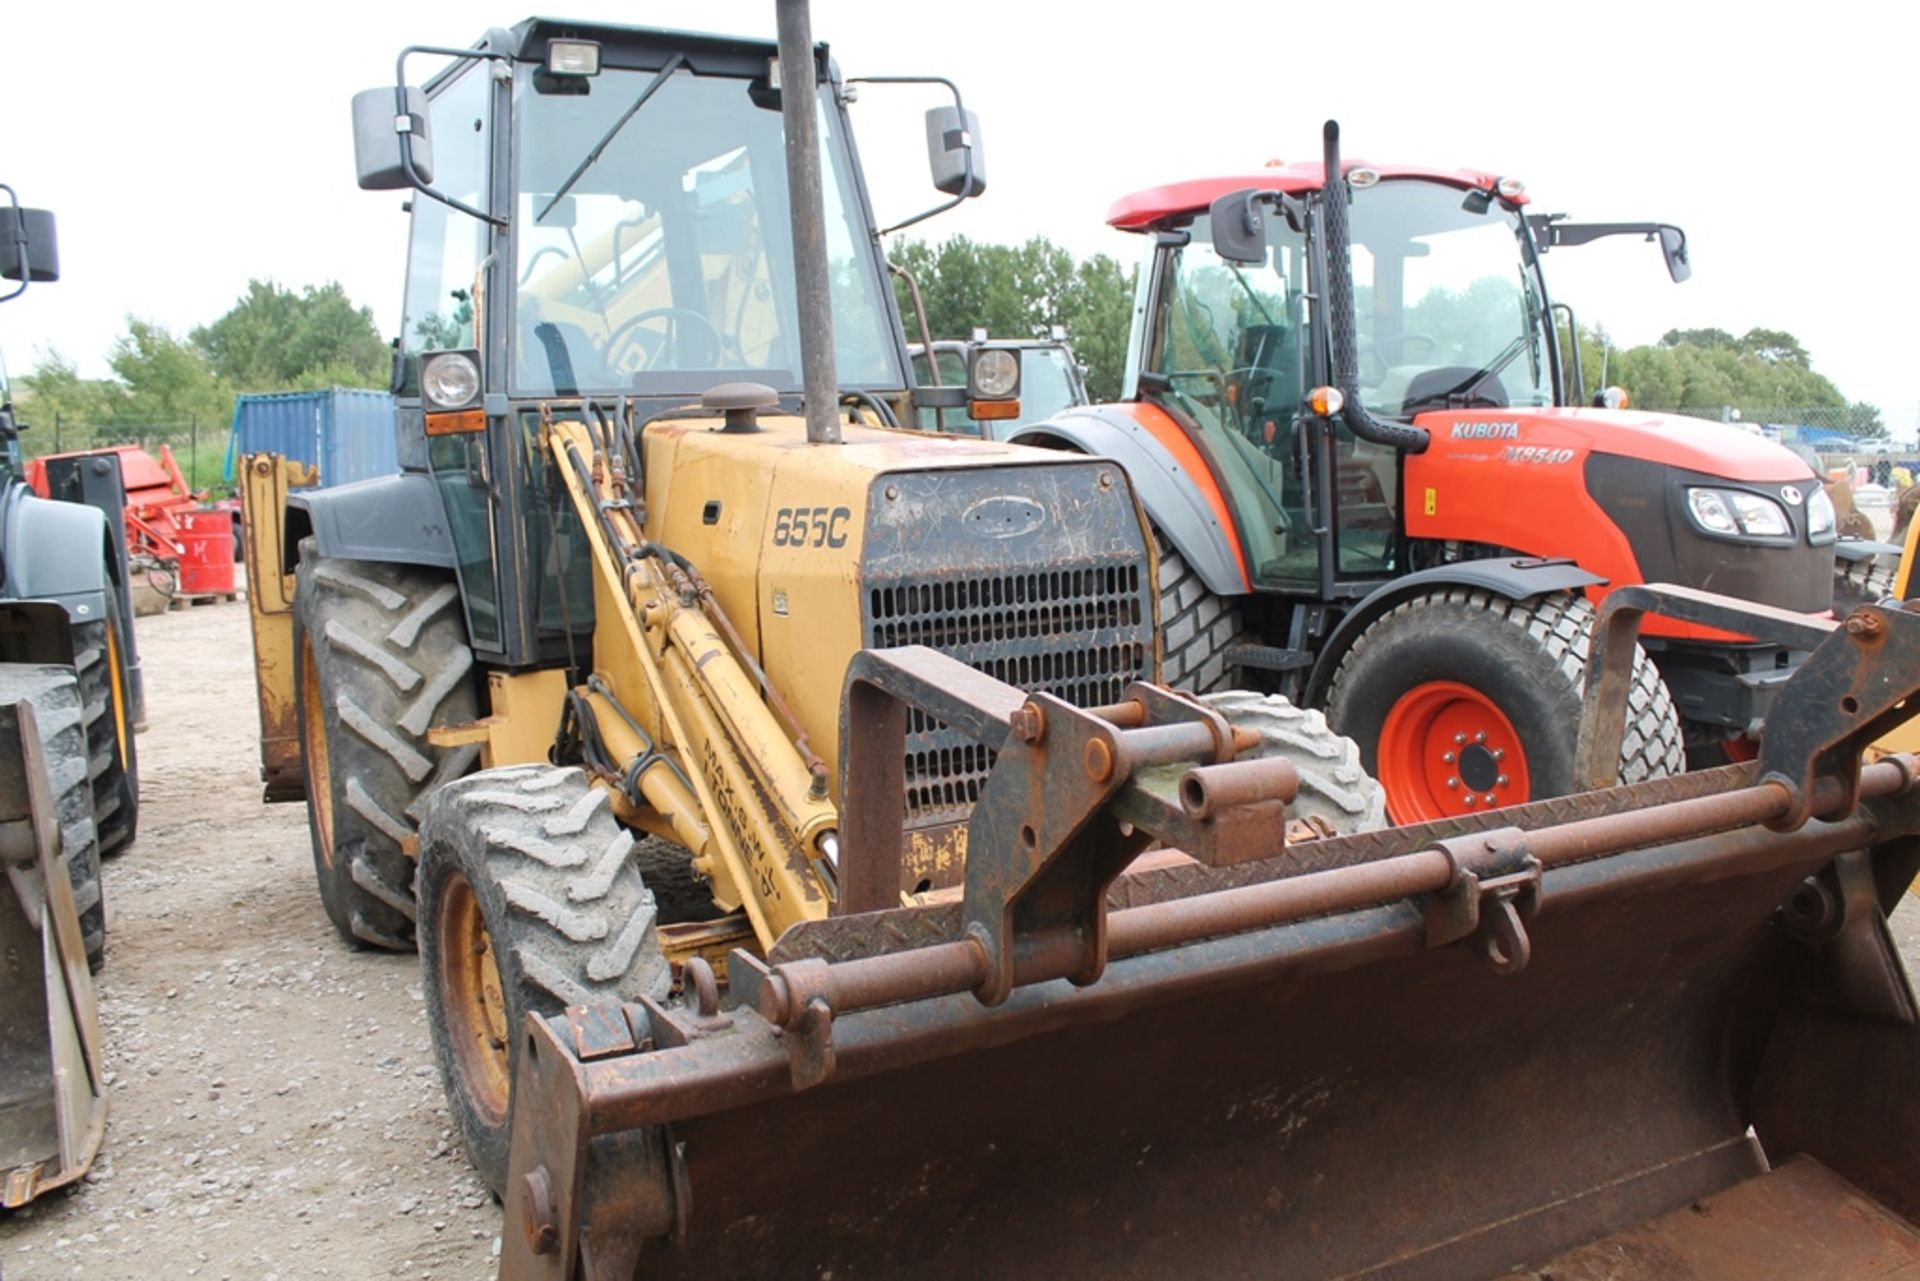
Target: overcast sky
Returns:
[[187, 147]]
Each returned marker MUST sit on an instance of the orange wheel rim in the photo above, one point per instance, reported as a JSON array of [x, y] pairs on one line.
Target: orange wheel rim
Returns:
[[1447, 749], [313, 749], [473, 1001]]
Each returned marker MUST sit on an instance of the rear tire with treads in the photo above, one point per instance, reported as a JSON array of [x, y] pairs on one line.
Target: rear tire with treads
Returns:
[[530, 900], [1196, 626], [59, 712], [1512, 674], [381, 657]]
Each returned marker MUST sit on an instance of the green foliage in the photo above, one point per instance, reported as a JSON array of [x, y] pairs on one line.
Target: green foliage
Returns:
[[179, 392], [1764, 374], [1018, 292], [273, 339]]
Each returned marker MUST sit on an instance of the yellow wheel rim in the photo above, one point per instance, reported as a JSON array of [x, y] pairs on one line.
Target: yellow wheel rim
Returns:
[[474, 1005]]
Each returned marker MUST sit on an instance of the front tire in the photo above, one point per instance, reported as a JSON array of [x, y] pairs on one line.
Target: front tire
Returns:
[[381, 658], [530, 900], [59, 712], [1462, 695], [100, 666], [1334, 785]]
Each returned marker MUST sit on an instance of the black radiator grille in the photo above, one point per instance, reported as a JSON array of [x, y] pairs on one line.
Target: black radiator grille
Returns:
[[1080, 634]]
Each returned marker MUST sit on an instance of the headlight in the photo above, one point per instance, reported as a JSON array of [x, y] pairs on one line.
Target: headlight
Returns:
[[1710, 511], [450, 379], [995, 374], [1820, 518], [1736, 511], [1759, 515]]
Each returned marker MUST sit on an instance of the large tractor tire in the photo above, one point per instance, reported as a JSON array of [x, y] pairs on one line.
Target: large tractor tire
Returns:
[[112, 766], [1334, 785], [530, 901], [1463, 701], [58, 709], [1196, 626], [381, 658]]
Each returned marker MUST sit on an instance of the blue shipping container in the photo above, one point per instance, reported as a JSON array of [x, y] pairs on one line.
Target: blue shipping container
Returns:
[[347, 432]]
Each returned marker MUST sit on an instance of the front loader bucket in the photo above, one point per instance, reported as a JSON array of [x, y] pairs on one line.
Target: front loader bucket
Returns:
[[1637, 1033], [52, 1105]]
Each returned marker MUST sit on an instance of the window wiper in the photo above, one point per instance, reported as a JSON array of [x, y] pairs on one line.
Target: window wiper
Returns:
[[1494, 366], [674, 63]]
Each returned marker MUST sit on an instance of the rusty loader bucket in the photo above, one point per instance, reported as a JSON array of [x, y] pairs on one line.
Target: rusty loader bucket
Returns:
[[1648, 1031], [52, 1106]]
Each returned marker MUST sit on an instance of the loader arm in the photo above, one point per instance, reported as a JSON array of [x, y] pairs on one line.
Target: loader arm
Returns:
[[693, 746]]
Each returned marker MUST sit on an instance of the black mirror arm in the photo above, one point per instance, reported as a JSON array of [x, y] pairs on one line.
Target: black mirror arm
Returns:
[[401, 114], [17, 233], [966, 146]]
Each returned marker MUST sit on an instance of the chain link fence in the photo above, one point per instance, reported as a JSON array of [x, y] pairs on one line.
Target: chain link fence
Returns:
[[198, 446]]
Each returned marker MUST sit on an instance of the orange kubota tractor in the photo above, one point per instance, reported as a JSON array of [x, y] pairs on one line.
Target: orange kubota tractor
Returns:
[[1361, 449]]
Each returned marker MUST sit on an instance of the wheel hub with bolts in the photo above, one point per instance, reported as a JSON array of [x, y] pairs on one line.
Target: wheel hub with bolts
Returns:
[[1448, 749]]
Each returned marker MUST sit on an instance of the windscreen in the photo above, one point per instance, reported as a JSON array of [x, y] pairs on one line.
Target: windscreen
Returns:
[[1448, 310], [667, 265]]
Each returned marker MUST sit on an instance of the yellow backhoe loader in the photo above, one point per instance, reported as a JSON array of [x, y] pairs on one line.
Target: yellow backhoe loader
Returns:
[[1011, 962]]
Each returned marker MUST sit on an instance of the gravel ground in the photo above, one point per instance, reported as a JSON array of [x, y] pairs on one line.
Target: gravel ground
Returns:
[[274, 1108], [274, 1111]]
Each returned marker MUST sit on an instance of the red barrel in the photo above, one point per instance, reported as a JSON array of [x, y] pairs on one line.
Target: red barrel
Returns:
[[206, 557]]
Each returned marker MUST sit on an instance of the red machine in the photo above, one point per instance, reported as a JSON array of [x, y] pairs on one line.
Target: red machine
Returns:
[[171, 530]]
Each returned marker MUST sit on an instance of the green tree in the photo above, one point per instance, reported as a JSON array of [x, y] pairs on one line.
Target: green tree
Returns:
[[54, 398], [167, 381], [274, 339], [1019, 291]]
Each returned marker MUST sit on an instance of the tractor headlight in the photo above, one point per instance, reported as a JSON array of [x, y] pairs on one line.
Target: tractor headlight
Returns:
[[450, 379], [995, 374], [1820, 517], [1733, 512]]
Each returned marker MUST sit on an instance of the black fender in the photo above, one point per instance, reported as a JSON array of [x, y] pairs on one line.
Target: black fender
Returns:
[[1520, 578], [397, 519], [1173, 500], [55, 552]]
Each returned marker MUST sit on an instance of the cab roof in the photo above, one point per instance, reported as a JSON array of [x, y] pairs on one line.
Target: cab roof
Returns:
[[1145, 209]]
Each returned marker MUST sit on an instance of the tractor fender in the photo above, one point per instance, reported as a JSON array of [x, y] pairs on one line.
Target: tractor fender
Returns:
[[1516, 579], [54, 551], [1172, 497], [396, 519]]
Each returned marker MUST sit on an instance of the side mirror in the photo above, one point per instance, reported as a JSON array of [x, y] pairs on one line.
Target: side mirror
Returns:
[[381, 149], [37, 260], [954, 153], [1239, 227], [1673, 244]]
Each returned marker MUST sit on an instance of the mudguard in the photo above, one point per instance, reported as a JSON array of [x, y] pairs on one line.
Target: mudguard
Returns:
[[397, 519], [1516, 579], [53, 551], [1173, 498]]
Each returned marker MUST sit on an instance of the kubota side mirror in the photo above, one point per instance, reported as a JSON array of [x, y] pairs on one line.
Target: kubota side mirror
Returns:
[[1673, 244], [954, 153], [1239, 225], [29, 249], [382, 146]]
